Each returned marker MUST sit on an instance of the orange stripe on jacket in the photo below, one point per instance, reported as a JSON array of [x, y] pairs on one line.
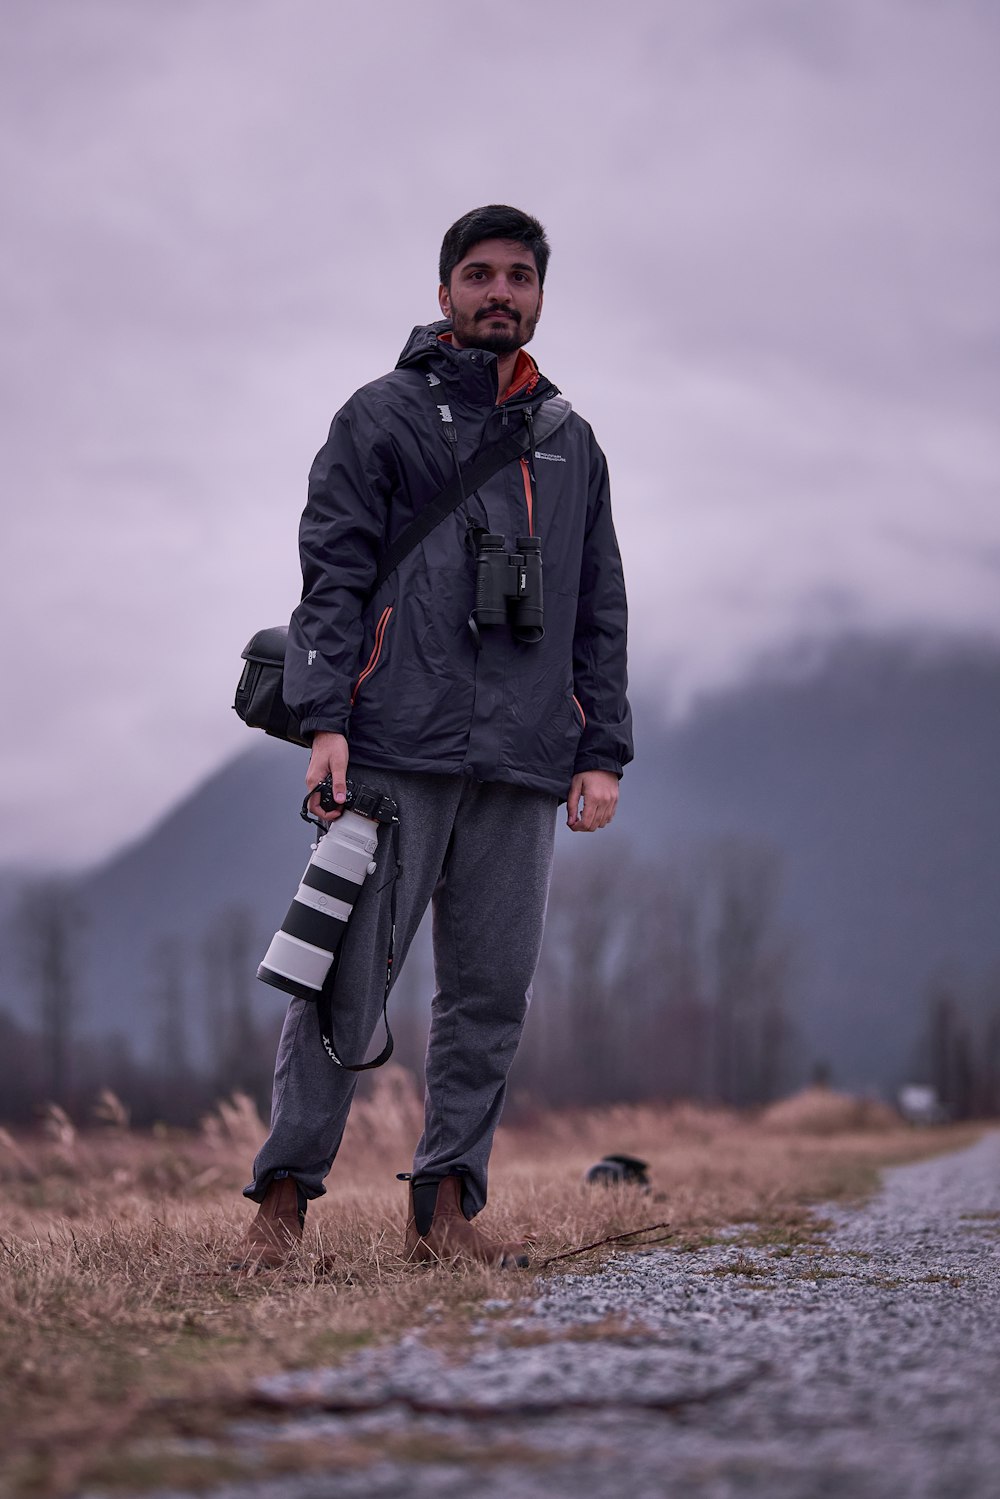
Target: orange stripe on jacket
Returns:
[[526, 480], [376, 651]]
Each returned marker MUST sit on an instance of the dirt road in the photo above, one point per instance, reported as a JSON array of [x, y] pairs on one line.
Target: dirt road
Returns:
[[866, 1366]]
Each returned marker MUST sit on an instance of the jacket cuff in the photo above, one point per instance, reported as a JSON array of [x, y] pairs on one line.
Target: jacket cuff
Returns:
[[597, 762], [323, 725]]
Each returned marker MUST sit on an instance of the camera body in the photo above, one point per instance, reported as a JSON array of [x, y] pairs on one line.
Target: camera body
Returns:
[[509, 586], [364, 800]]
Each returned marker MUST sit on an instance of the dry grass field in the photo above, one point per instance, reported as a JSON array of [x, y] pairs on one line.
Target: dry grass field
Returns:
[[122, 1322]]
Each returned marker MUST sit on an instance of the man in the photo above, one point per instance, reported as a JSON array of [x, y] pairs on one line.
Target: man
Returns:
[[477, 729]]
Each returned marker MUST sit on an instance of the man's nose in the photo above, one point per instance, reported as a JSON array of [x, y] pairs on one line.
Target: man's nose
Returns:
[[500, 290]]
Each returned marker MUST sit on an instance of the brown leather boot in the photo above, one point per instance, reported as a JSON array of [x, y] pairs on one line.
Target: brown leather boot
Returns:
[[277, 1228], [438, 1231]]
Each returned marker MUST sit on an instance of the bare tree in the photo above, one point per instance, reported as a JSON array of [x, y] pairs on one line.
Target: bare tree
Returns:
[[167, 982], [660, 983], [49, 922], [20, 1070], [232, 952], [949, 1046], [750, 966], [678, 1037], [987, 1101], [580, 1032]]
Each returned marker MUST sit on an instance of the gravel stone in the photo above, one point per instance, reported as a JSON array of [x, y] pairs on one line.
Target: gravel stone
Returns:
[[864, 1367]]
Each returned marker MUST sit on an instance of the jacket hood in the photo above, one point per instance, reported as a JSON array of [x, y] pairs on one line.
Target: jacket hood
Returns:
[[425, 348], [423, 343]]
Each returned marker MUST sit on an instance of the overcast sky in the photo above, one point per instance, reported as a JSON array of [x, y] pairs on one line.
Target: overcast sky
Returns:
[[774, 293]]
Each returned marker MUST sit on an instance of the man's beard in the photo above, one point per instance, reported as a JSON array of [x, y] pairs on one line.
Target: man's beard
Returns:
[[497, 338]]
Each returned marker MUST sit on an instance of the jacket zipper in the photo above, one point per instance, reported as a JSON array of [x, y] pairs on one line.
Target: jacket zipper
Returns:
[[373, 659], [579, 709]]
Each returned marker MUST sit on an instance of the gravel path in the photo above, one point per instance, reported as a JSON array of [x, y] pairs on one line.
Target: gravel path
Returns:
[[867, 1367]]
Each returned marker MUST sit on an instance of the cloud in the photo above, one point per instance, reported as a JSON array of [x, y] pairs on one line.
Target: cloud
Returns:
[[773, 293]]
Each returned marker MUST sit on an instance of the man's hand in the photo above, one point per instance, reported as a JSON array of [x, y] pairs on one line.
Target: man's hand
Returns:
[[597, 790], [329, 757]]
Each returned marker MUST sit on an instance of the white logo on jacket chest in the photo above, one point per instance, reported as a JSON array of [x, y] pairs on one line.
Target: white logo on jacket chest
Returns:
[[550, 457], [311, 657]]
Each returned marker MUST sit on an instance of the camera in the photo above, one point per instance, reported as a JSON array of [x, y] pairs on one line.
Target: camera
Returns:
[[509, 586], [302, 949]]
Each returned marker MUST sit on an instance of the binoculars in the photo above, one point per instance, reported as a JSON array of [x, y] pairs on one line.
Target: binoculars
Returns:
[[509, 586]]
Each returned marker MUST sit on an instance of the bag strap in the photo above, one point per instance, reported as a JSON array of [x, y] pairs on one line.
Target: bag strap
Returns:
[[549, 416], [325, 1001]]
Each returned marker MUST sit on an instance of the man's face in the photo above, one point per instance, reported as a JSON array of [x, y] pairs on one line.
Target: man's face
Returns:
[[494, 298]]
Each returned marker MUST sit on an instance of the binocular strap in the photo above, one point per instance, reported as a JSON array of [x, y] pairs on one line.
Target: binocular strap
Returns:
[[324, 1004]]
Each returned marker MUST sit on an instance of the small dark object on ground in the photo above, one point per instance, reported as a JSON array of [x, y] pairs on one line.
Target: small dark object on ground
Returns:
[[618, 1170]]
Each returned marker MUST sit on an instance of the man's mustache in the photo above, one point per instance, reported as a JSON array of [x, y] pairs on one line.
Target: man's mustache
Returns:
[[488, 312]]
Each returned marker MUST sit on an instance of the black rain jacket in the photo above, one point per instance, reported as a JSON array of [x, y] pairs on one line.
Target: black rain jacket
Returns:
[[399, 672]]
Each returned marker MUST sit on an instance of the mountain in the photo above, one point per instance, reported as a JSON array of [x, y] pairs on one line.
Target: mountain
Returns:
[[874, 773], [871, 771]]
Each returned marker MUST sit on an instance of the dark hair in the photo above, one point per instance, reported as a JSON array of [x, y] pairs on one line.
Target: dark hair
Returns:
[[495, 221]]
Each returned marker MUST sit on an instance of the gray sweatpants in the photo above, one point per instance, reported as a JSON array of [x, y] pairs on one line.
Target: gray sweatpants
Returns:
[[482, 852]]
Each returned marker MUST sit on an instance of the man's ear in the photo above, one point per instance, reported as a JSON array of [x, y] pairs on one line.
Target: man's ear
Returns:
[[539, 312], [444, 301]]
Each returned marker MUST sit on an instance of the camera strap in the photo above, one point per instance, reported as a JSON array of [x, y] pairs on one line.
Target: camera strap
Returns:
[[537, 426], [324, 1004]]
